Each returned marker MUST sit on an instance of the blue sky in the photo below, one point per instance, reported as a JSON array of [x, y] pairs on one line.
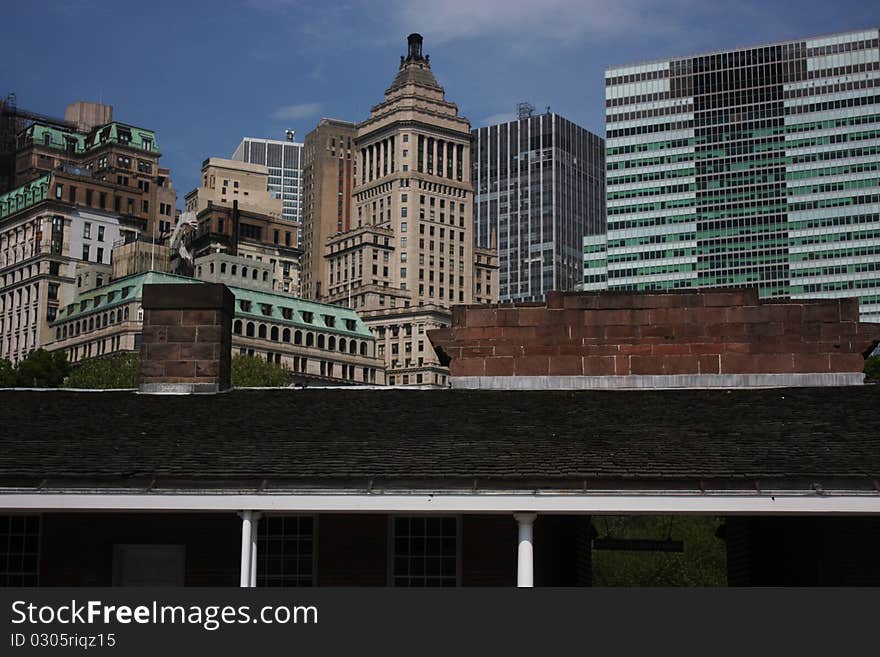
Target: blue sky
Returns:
[[205, 74]]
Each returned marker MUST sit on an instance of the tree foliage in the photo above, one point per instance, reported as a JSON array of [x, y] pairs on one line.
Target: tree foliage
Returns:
[[703, 562], [120, 370], [39, 369], [7, 373], [872, 368], [250, 372]]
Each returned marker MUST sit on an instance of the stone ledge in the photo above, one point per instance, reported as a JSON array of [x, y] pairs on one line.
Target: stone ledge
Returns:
[[660, 381], [181, 388]]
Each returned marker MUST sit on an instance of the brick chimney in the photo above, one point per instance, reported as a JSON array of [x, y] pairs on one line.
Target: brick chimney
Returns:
[[187, 338]]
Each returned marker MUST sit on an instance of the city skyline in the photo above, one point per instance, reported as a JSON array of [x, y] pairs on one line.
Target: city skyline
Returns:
[[289, 74]]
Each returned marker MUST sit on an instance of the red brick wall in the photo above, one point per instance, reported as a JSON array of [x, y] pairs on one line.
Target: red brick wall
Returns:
[[488, 551], [824, 551], [700, 332], [187, 335], [352, 550], [77, 548]]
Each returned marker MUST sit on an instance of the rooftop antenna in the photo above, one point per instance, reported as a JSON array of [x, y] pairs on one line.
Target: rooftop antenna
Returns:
[[524, 110]]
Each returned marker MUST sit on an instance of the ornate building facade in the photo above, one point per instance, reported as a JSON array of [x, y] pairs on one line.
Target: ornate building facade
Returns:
[[318, 343], [409, 254]]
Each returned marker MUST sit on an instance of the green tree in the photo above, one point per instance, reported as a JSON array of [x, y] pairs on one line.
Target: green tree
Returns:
[[872, 368], [250, 372], [119, 370], [702, 563], [42, 369], [7, 374]]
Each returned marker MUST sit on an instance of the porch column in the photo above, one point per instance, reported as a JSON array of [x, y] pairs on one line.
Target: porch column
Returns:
[[525, 568], [255, 523], [246, 548]]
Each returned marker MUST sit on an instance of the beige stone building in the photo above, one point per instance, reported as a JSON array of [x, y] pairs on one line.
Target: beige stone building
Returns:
[[250, 237], [50, 249], [113, 167], [225, 181], [318, 343], [409, 254], [87, 116], [328, 178]]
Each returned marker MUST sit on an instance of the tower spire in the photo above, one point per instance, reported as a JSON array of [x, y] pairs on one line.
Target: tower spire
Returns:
[[414, 42]]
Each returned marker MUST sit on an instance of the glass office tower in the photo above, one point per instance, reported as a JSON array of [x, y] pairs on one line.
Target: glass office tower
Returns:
[[284, 160], [539, 188], [751, 167]]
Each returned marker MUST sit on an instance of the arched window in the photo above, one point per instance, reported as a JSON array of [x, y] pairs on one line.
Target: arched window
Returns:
[[298, 337], [250, 329], [112, 316], [320, 342], [91, 323], [234, 269], [125, 314], [244, 272], [222, 267], [342, 345], [285, 335], [77, 328], [265, 276], [211, 267], [140, 314], [236, 327], [64, 332], [273, 334], [363, 348], [352, 347], [58, 333], [254, 274], [310, 339], [331, 343], [104, 320], [261, 332], [200, 271]]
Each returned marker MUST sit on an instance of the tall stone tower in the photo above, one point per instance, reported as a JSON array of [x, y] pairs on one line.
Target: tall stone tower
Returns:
[[409, 255]]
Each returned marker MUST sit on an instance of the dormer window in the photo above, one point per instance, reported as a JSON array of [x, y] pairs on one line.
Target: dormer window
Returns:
[[266, 309], [329, 320], [287, 313], [308, 317], [245, 305]]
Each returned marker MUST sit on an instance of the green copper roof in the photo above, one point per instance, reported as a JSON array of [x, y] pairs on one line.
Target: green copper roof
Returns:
[[118, 133], [24, 196], [118, 292], [249, 304], [267, 306]]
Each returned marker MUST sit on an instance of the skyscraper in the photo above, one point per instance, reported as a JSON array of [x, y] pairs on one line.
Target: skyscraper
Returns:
[[409, 254], [328, 176], [750, 167], [540, 188], [284, 160]]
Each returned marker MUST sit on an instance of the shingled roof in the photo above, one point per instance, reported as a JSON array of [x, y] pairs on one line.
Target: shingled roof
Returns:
[[793, 438]]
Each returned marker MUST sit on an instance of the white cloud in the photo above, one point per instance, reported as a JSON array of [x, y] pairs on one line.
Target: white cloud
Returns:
[[296, 112], [528, 20], [501, 117]]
